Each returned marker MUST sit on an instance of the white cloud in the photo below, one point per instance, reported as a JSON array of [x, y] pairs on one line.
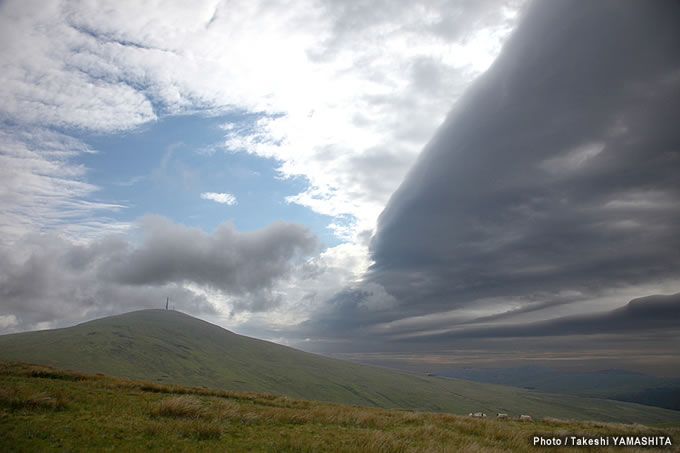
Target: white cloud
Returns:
[[45, 82], [7, 322], [339, 83], [224, 198], [346, 95], [40, 188]]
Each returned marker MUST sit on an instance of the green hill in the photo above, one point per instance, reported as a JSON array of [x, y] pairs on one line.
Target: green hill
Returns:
[[46, 409], [171, 347]]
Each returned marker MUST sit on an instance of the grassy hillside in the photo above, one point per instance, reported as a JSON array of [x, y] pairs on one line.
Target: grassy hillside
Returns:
[[170, 347], [45, 409]]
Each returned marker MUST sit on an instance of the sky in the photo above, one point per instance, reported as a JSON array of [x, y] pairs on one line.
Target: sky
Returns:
[[422, 184]]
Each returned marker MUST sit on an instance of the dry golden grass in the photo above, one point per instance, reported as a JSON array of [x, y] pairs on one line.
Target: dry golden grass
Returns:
[[18, 398], [127, 415], [201, 430], [178, 406]]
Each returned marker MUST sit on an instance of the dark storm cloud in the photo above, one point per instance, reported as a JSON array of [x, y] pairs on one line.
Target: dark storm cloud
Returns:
[[228, 260], [552, 183], [556, 171], [46, 278], [651, 313]]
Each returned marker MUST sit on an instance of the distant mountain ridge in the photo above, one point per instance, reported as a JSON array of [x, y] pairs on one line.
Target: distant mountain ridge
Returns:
[[171, 347]]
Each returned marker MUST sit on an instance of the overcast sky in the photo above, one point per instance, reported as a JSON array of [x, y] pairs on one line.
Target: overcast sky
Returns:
[[349, 177]]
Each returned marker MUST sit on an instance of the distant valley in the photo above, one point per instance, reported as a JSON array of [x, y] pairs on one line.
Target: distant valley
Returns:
[[619, 385]]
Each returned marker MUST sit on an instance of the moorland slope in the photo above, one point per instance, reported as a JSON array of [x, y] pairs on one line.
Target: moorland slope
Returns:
[[172, 347]]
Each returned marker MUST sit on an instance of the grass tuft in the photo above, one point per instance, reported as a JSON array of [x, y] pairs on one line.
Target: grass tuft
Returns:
[[31, 400], [179, 406], [201, 430]]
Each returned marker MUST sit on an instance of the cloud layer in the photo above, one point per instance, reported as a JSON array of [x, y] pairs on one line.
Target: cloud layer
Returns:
[[46, 278], [336, 88], [341, 96], [550, 190], [556, 172], [651, 313]]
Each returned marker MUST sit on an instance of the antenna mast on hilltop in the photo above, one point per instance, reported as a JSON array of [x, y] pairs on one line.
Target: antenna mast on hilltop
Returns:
[[166, 303]]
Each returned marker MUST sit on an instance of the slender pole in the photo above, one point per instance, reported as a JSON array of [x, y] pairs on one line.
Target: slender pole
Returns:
[[166, 303]]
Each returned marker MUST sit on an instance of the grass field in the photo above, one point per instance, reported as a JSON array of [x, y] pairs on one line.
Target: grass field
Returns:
[[170, 347], [47, 409]]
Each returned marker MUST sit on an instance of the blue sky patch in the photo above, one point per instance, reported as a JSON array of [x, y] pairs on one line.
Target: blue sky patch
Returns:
[[164, 167]]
